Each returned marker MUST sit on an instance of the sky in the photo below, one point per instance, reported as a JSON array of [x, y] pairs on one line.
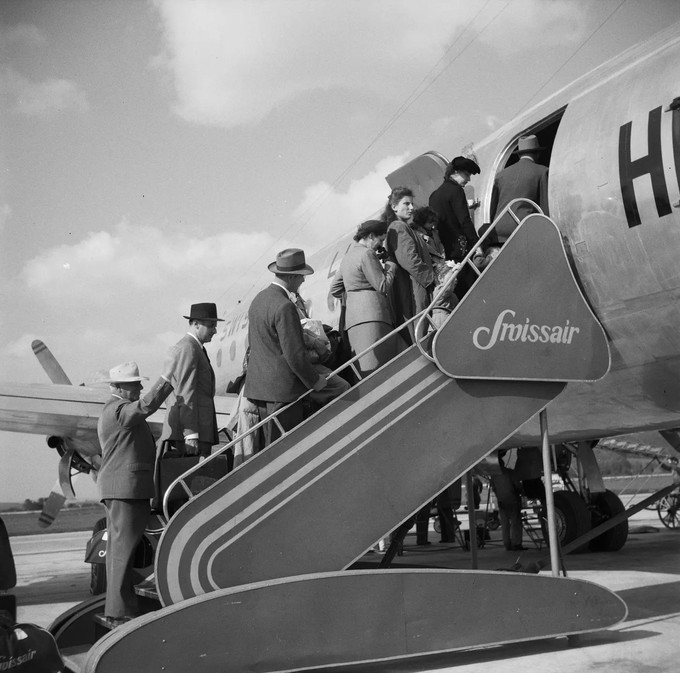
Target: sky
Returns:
[[154, 154]]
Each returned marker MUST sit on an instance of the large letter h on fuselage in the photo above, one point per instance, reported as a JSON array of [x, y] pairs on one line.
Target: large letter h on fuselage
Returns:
[[651, 164]]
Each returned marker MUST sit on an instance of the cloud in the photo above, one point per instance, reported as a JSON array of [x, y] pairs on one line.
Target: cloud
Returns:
[[20, 35], [145, 259], [35, 99], [17, 361], [120, 295], [232, 62], [138, 260], [326, 213]]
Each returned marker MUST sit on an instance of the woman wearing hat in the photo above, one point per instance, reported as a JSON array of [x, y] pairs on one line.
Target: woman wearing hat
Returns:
[[415, 277], [367, 282], [450, 203]]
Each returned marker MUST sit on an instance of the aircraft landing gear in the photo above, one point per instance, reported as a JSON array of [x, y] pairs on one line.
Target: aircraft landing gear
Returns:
[[605, 506], [668, 510], [572, 517]]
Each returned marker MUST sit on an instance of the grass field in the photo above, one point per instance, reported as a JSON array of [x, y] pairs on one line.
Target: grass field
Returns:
[[69, 520]]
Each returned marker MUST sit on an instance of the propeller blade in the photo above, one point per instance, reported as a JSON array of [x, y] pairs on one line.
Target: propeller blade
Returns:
[[51, 507], [65, 473], [49, 363]]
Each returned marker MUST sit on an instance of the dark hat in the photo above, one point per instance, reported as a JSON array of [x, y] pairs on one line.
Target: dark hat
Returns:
[[528, 144], [205, 311], [377, 227], [291, 260], [464, 164]]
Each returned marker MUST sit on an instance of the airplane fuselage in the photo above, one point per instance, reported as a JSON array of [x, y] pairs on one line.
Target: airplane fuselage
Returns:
[[614, 193]]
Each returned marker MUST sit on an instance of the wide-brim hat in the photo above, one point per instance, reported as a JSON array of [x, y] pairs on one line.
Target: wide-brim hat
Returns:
[[204, 311], [128, 372], [528, 144], [464, 164], [291, 260]]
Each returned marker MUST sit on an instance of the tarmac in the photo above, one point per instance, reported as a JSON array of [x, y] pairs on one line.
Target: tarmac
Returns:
[[52, 576]]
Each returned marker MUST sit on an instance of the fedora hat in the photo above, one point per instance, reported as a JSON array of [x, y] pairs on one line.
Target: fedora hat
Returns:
[[528, 144], [128, 372], [204, 311], [291, 260], [464, 164]]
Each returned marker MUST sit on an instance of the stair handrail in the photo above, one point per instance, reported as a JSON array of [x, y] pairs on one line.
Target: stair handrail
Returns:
[[181, 480], [425, 316]]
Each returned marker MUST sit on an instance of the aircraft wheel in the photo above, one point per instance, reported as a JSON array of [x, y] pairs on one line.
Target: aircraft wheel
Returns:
[[493, 521], [98, 570], [572, 518], [668, 510], [606, 506]]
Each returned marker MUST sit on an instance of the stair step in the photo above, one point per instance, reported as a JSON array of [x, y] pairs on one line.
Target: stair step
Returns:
[[147, 589], [74, 657], [102, 620]]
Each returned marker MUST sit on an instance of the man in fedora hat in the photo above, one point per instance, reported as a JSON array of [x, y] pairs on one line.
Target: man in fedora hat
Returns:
[[523, 179], [279, 368], [125, 480], [190, 424]]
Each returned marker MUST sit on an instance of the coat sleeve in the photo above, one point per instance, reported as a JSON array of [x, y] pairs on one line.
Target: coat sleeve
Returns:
[[409, 258], [462, 214], [289, 331], [338, 284], [183, 367], [134, 413]]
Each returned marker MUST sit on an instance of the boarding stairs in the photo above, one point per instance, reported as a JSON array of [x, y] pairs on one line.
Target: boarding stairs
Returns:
[[274, 538]]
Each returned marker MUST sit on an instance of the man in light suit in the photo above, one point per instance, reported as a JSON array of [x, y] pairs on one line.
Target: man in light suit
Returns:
[[523, 179], [125, 480], [279, 368], [190, 422]]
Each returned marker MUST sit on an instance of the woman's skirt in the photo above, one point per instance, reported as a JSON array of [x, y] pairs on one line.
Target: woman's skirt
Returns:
[[363, 336]]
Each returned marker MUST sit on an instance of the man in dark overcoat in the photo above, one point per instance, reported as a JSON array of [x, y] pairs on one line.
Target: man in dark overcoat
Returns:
[[125, 480], [190, 422], [279, 368], [523, 179]]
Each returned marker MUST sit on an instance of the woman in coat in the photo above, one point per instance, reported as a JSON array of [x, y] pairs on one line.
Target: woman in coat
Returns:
[[415, 277], [367, 284]]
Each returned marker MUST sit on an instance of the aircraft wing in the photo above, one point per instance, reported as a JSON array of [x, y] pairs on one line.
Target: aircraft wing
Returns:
[[71, 411]]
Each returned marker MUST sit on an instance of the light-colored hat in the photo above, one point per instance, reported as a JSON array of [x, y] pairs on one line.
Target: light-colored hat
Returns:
[[128, 372], [528, 144], [291, 260]]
